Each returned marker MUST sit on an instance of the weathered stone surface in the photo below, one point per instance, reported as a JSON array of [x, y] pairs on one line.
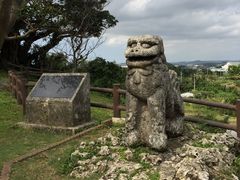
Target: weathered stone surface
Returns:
[[104, 151], [206, 156], [201, 156], [128, 154], [67, 106], [154, 104], [151, 158]]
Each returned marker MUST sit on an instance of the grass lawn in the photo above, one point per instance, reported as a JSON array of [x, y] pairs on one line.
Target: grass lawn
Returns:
[[15, 141], [53, 164], [3, 76], [210, 113]]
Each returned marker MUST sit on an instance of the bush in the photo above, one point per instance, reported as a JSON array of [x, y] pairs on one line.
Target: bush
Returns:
[[105, 74]]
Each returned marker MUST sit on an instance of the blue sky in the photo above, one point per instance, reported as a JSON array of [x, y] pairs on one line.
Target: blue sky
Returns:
[[191, 30]]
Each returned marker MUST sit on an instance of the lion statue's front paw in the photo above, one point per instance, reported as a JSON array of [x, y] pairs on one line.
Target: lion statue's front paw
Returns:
[[132, 138], [158, 141]]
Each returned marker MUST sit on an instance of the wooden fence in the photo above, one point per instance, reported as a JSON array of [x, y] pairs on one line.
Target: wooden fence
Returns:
[[30, 70], [19, 88]]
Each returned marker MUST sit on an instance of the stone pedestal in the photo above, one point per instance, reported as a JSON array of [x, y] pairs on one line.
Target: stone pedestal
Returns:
[[59, 101]]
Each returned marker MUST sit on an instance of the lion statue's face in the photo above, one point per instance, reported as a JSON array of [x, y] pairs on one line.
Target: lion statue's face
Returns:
[[143, 50]]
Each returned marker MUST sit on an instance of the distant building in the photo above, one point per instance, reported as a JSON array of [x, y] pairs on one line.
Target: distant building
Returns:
[[187, 95], [123, 65], [225, 67], [214, 69]]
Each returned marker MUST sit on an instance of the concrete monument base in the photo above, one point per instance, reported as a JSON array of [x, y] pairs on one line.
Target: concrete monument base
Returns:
[[68, 130]]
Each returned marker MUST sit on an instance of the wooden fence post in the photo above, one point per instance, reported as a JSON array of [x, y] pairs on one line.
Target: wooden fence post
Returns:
[[10, 80], [14, 92], [18, 90], [24, 93], [238, 117], [116, 101]]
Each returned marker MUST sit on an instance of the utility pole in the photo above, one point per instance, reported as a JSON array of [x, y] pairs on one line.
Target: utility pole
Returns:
[[181, 76], [194, 82]]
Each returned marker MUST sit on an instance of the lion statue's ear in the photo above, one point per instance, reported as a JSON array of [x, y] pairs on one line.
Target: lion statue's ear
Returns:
[[162, 58]]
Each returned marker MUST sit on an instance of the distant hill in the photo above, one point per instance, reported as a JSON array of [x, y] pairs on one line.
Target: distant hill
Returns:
[[206, 64], [200, 62]]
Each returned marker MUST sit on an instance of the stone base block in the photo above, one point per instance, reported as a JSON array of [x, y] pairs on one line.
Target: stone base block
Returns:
[[68, 130], [116, 120]]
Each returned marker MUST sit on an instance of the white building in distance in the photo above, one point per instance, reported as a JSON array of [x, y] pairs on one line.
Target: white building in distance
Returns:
[[225, 67]]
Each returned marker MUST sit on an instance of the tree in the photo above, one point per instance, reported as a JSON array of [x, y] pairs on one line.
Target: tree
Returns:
[[105, 74], [79, 50], [8, 11], [56, 61], [234, 70], [49, 22]]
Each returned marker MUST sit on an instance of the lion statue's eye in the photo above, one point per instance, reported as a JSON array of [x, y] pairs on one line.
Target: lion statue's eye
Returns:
[[133, 45], [145, 45]]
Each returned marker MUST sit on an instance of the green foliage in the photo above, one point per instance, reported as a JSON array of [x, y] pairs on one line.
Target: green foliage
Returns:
[[172, 67], [104, 73], [187, 72], [52, 21], [66, 164], [234, 70], [236, 166], [154, 175], [186, 84], [200, 144], [211, 87], [56, 61]]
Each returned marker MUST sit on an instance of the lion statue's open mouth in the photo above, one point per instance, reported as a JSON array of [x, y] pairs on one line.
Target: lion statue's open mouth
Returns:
[[143, 51]]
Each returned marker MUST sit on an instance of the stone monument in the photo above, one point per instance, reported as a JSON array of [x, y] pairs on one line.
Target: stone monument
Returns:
[[60, 101], [154, 104]]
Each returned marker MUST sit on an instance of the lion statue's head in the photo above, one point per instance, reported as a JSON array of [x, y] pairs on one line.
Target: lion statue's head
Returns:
[[144, 50]]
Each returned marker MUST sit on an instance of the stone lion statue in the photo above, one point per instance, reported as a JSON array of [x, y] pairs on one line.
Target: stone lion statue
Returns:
[[154, 105]]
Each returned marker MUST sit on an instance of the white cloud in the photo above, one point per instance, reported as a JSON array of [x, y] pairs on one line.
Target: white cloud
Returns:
[[137, 6], [190, 29], [113, 40]]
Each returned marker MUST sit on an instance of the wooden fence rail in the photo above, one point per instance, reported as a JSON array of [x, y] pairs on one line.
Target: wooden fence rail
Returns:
[[31, 70], [19, 85]]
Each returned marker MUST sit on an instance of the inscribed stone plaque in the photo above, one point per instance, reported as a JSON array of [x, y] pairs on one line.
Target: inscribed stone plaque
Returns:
[[56, 86], [59, 99]]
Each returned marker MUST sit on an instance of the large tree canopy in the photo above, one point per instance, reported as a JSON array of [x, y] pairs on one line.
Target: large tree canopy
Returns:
[[42, 24]]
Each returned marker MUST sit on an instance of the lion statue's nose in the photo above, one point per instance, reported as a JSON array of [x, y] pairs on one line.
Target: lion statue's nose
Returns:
[[135, 50]]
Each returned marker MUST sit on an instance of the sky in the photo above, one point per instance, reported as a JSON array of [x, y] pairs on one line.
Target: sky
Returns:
[[190, 29]]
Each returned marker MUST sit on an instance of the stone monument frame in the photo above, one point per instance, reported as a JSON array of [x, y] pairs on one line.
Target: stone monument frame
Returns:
[[59, 113]]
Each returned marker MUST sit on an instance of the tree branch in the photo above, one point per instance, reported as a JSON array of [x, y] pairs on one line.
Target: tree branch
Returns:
[[21, 37]]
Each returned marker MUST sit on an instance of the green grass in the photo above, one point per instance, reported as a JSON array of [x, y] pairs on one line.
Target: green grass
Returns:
[[101, 98], [154, 175], [53, 164], [236, 165], [210, 113], [3, 75], [15, 141]]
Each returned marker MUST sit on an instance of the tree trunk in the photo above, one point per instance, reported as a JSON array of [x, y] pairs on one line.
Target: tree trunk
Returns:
[[8, 9]]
